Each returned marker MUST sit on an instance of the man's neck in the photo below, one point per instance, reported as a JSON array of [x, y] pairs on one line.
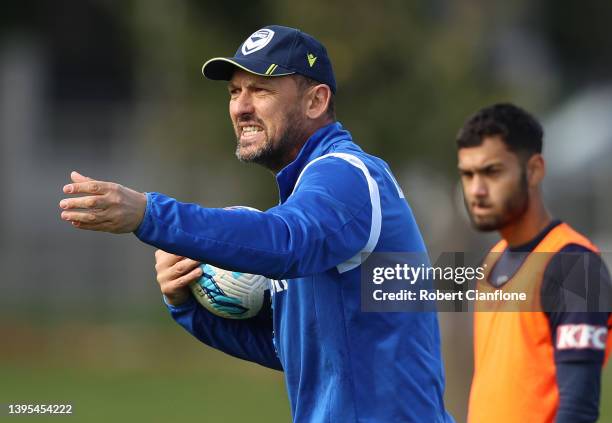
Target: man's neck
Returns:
[[294, 151], [535, 219]]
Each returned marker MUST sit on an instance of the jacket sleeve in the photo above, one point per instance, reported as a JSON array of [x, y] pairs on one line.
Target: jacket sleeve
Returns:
[[326, 221], [579, 391], [578, 337], [249, 339]]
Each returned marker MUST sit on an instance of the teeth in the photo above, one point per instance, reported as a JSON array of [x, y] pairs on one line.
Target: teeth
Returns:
[[251, 129]]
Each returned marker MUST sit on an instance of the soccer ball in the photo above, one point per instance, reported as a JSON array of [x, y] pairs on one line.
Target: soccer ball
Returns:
[[233, 295]]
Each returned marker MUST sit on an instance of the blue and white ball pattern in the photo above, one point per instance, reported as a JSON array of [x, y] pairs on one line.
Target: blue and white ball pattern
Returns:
[[233, 295]]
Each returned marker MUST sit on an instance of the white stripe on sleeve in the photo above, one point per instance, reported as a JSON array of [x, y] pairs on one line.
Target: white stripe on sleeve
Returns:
[[376, 223]]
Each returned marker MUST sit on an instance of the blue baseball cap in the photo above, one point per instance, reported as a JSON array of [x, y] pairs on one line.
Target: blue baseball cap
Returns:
[[276, 51]]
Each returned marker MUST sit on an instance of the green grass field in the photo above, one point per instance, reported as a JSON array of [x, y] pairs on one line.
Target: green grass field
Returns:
[[149, 373], [207, 394], [137, 373]]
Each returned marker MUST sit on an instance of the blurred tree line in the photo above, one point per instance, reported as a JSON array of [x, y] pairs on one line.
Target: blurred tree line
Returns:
[[409, 72]]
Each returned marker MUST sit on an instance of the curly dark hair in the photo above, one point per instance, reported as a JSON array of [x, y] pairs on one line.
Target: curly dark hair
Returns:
[[519, 130]]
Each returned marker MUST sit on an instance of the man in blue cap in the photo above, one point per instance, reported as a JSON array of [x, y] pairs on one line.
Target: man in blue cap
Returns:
[[337, 205]]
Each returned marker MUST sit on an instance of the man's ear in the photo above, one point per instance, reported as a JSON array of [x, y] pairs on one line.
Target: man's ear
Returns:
[[318, 98], [536, 170]]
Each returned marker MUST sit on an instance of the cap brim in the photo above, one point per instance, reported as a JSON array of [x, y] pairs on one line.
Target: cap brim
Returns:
[[222, 68]]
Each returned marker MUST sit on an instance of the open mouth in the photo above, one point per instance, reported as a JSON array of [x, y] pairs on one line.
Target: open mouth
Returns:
[[248, 132]]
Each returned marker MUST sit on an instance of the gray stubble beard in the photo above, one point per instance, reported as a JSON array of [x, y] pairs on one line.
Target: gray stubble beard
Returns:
[[276, 155]]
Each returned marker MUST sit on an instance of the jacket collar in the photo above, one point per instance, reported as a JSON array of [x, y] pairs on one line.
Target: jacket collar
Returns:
[[318, 144]]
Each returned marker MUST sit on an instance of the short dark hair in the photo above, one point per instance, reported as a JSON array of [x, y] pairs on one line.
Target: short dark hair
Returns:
[[305, 82], [519, 130]]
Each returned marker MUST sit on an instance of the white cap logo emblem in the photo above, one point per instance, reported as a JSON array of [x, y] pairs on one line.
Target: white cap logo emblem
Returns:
[[257, 41]]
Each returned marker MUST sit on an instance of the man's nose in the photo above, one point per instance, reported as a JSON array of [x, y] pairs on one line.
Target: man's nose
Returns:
[[478, 188], [242, 105]]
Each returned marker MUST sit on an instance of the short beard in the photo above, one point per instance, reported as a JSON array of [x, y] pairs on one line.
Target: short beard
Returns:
[[514, 208], [276, 154]]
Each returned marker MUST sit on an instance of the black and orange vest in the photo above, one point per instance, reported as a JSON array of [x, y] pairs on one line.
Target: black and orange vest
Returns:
[[514, 370]]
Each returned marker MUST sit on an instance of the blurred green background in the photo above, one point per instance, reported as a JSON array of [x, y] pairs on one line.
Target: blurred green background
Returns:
[[114, 89]]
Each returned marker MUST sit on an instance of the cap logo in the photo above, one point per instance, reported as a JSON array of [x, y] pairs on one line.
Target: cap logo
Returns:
[[257, 41], [311, 59]]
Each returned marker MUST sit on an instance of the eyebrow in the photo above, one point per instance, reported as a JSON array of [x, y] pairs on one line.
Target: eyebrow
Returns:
[[481, 168], [262, 83]]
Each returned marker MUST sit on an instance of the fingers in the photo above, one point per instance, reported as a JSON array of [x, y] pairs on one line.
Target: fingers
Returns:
[[174, 280], [89, 202], [79, 216], [177, 291], [88, 226], [164, 259], [185, 280], [88, 187], [77, 177], [184, 266], [92, 217], [168, 273], [92, 225], [85, 185]]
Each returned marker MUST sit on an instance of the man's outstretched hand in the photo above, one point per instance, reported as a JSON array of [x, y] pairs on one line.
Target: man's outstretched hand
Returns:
[[104, 206]]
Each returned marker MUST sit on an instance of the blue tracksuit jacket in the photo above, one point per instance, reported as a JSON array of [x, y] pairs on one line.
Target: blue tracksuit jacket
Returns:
[[337, 204]]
